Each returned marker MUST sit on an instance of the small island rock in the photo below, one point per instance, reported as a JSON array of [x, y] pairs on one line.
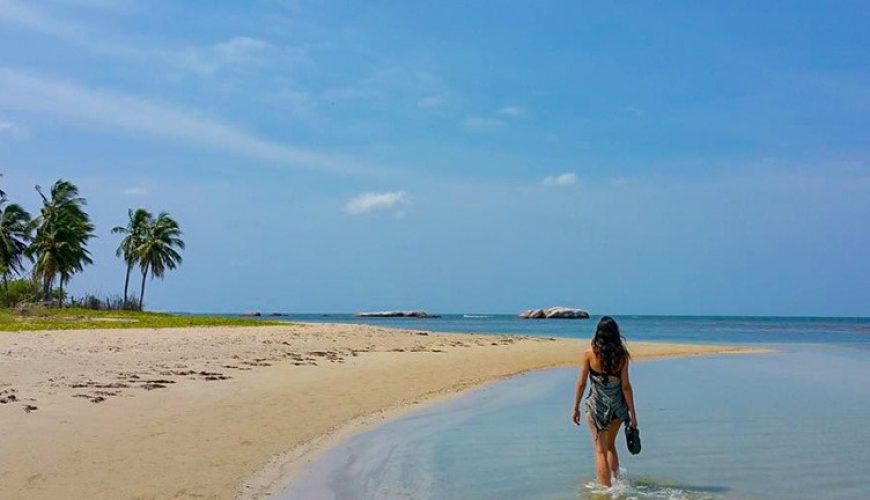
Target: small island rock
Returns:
[[396, 314], [554, 313]]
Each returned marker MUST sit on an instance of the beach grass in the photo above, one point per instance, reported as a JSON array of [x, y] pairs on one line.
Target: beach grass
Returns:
[[84, 319]]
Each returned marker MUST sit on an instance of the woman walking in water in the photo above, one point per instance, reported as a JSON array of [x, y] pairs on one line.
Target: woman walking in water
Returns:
[[610, 401]]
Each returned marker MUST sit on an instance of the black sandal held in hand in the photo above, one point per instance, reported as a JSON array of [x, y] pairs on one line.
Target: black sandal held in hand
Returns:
[[632, 439]]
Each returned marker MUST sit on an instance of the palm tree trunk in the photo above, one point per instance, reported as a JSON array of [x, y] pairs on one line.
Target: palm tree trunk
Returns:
[[6, 301], [127, 283], [142, 290], [60, 297], [46, 287]]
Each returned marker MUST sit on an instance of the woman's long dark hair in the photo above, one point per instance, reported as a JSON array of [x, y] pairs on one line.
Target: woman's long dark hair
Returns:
[[608, 346]]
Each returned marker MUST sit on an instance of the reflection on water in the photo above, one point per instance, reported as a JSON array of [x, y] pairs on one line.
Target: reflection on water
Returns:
[[788, 425]]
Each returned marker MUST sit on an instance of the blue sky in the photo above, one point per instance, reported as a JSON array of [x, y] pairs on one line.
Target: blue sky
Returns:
[[663, 158]]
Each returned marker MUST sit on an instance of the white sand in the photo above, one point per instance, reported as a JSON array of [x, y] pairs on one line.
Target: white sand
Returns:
[[98, 432]]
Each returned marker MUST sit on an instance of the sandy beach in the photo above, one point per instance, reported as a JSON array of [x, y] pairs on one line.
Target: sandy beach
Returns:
[[227, 412]]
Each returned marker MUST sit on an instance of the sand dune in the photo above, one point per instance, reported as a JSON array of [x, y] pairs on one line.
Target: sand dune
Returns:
[[224, 412]]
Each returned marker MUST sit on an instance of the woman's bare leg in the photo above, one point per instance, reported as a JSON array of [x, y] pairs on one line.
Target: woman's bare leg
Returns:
[[612, 456], [599, 447]]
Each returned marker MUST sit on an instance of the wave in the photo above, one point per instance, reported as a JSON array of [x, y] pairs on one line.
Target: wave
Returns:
[[649, 488], [475, 316]]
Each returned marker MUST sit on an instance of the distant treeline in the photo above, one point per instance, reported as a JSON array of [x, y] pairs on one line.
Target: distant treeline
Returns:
[[47, 250]]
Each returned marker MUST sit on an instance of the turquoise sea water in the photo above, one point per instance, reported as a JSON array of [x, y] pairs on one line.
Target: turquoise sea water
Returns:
[[793, 424], [708, 329]]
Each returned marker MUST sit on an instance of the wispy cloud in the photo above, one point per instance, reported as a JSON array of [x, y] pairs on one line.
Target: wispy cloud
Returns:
[[236, 52], [482, 124], [63, 27], [24, 15], [512, 111], [566, 179], [82, 106], [11, 129], [240, 50], [369, 202], [631, 110], [97, 4]]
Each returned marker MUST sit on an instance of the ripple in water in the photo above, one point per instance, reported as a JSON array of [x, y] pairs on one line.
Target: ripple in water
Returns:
[[642, 488]]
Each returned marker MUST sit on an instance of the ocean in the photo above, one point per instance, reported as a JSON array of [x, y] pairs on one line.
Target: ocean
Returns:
[[790, 424], [697, 329]]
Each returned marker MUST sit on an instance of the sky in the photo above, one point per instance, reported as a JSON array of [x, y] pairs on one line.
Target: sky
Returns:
[[625, 158]]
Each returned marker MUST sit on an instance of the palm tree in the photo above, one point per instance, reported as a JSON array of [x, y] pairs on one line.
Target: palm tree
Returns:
[[63, 229], [158, 253], [15, 229], [134, 234]]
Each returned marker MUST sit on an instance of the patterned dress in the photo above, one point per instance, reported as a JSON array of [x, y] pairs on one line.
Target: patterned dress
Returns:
[[605, 402]]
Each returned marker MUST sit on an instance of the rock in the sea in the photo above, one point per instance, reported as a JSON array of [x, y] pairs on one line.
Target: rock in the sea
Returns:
[[533, 314], [252, 314], [554, 313], [396, 314]]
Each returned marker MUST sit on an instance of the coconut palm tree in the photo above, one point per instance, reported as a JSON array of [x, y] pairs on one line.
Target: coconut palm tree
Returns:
[[63, 229], [15, 232], [158, 253], [134, 232]]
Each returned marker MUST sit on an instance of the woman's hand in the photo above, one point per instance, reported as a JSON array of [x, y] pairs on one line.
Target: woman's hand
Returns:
[[634, 422], [575, 417]]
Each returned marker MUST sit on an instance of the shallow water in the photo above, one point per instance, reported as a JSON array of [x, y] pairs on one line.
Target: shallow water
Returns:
[[795, 424]]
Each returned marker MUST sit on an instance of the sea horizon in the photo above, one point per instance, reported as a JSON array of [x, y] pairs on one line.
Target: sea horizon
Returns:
[[592, 316]]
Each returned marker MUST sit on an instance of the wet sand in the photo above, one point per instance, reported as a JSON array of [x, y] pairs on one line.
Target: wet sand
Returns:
[[225, 412]]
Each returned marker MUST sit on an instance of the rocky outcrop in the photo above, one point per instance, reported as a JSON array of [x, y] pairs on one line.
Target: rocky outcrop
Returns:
[[554, 313], [396, 314]]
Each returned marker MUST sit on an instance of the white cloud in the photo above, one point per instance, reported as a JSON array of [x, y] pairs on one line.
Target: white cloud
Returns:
[[631, 110], [96, 4], [566, 179], [13, 130], [482, 124], [82, 106], [368, 202], [22, 14], [237, 51], [135, 191], [512, 111], [25, 15]]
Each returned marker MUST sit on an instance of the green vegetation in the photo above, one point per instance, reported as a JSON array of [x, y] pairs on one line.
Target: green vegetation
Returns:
[[63, 228], [44, 318], [14, 236], [56, 243], [157, 251], [134, 232]]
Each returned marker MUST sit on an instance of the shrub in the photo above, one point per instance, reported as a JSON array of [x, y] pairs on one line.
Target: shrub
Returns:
[[17, 291], [110, 303]]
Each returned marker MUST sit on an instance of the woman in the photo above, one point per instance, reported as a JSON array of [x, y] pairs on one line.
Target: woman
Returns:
[[610, 401]]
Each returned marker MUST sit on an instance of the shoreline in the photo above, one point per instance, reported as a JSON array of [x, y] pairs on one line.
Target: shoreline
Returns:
[[223, 412], [280, 472]]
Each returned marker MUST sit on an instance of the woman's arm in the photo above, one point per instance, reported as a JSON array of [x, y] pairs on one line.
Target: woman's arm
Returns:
[[628, 393], [581, 387]]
